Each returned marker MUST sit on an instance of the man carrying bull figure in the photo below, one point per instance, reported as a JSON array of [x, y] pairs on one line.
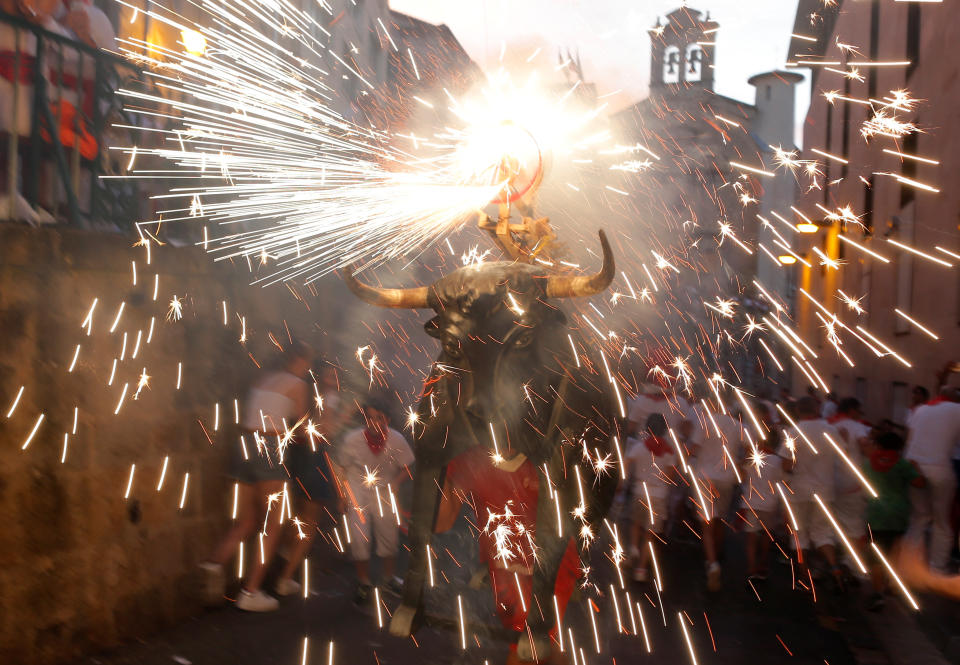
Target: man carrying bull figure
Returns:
[[519, 388], [504, 495]]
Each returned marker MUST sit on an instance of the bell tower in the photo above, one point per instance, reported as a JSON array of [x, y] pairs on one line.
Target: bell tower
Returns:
[[682, 50]]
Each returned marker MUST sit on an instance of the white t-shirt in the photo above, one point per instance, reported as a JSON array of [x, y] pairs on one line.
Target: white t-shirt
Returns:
[[356, 457], [673, 411], [934, 431], [269, 405], [851, 432], [645, 467], [828, 410], [711, 461], [814, 472]]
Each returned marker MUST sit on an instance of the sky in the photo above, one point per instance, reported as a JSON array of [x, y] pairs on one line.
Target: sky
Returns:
[[612, 38]]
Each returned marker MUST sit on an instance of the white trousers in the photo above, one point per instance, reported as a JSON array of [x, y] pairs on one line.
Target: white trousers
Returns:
[[931, 509]]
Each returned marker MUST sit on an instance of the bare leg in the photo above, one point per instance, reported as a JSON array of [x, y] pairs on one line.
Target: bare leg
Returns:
[[644, 559], [270, 538], [710, 541], [363, 571], [242, 528], [387, 565], [310, 512], [636, 534], [552, 547], [829, 553]]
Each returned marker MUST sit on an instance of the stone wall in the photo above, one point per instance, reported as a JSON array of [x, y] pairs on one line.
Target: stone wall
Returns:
[[82, 568]]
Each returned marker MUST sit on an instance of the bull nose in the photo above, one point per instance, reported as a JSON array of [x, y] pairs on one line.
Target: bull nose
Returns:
[[477, 408]]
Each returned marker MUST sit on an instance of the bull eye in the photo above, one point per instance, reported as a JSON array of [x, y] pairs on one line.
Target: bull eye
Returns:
[[451, 347], [524, 339]]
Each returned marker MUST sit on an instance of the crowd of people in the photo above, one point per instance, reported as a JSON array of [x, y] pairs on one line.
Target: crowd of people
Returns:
[[292, 479], [805, 475], [70, 90], [808, 475]]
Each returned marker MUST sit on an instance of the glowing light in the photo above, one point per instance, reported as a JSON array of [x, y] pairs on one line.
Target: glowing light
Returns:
[[193, 42]]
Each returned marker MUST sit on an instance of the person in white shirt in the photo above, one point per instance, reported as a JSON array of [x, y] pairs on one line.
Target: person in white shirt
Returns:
[[762, 472], [651, 461], [850, 500], [312, 477], [374, 460], [934, 432], [654, 399], [717, 443], [812, 474], [918, 397], [830, 407], [274, 406]]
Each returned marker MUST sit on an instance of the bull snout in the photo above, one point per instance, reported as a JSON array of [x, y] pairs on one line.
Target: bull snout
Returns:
[[477, 407]]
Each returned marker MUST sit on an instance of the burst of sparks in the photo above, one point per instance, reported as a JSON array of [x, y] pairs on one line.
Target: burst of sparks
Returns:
[[175, 310]]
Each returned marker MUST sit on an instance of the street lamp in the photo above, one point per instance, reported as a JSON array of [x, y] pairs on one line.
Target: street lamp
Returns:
[[807, 227], [787, 259], [194, 42]]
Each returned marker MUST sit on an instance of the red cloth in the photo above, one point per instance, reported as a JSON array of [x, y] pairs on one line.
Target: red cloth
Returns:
[[492, 488], [376, 441], [657, 445], [884, 460], [8, 65]]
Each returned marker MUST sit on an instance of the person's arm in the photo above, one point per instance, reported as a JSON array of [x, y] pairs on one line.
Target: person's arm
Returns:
[[918, 480], [403, 455], [78, 20], [788, 464], [449, 510]]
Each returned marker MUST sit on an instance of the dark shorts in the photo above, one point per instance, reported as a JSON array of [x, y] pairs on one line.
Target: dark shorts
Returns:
[[257, 467], [310, 472], [885, 540]]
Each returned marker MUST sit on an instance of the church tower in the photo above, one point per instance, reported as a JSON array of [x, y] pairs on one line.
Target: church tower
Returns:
[[681, 53]]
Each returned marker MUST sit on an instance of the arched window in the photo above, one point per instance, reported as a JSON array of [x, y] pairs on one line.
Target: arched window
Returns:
[[694, 63], [671, 64]]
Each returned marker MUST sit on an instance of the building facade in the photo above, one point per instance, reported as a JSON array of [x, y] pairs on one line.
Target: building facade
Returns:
[[895, 189], [694, 186]]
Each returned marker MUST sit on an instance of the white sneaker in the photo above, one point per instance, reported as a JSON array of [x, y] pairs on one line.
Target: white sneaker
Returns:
[[257, 601], [640, 574], [714, 577], [214, 582], [287, 587]]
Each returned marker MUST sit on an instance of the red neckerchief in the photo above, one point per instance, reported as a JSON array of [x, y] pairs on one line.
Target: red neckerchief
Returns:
[[936, 400], [376, 441], [884, 460], [656, 445]]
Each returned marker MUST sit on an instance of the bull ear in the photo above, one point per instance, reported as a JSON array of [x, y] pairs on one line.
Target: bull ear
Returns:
[[415, 298], [563, 286]]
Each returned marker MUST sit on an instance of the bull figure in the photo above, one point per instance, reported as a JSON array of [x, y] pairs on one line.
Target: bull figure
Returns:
[[507, 358]]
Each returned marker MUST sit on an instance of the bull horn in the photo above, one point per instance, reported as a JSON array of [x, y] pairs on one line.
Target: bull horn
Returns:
[[562, 286], [415, 298]]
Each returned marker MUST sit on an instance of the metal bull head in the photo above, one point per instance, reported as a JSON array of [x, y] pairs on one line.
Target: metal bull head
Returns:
[[508, 359]]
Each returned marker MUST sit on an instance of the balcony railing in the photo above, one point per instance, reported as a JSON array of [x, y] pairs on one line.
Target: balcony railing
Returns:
[[58, 103]]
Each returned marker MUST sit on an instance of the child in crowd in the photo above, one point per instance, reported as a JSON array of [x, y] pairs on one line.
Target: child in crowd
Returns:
[[888, 514], [651, 463]]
